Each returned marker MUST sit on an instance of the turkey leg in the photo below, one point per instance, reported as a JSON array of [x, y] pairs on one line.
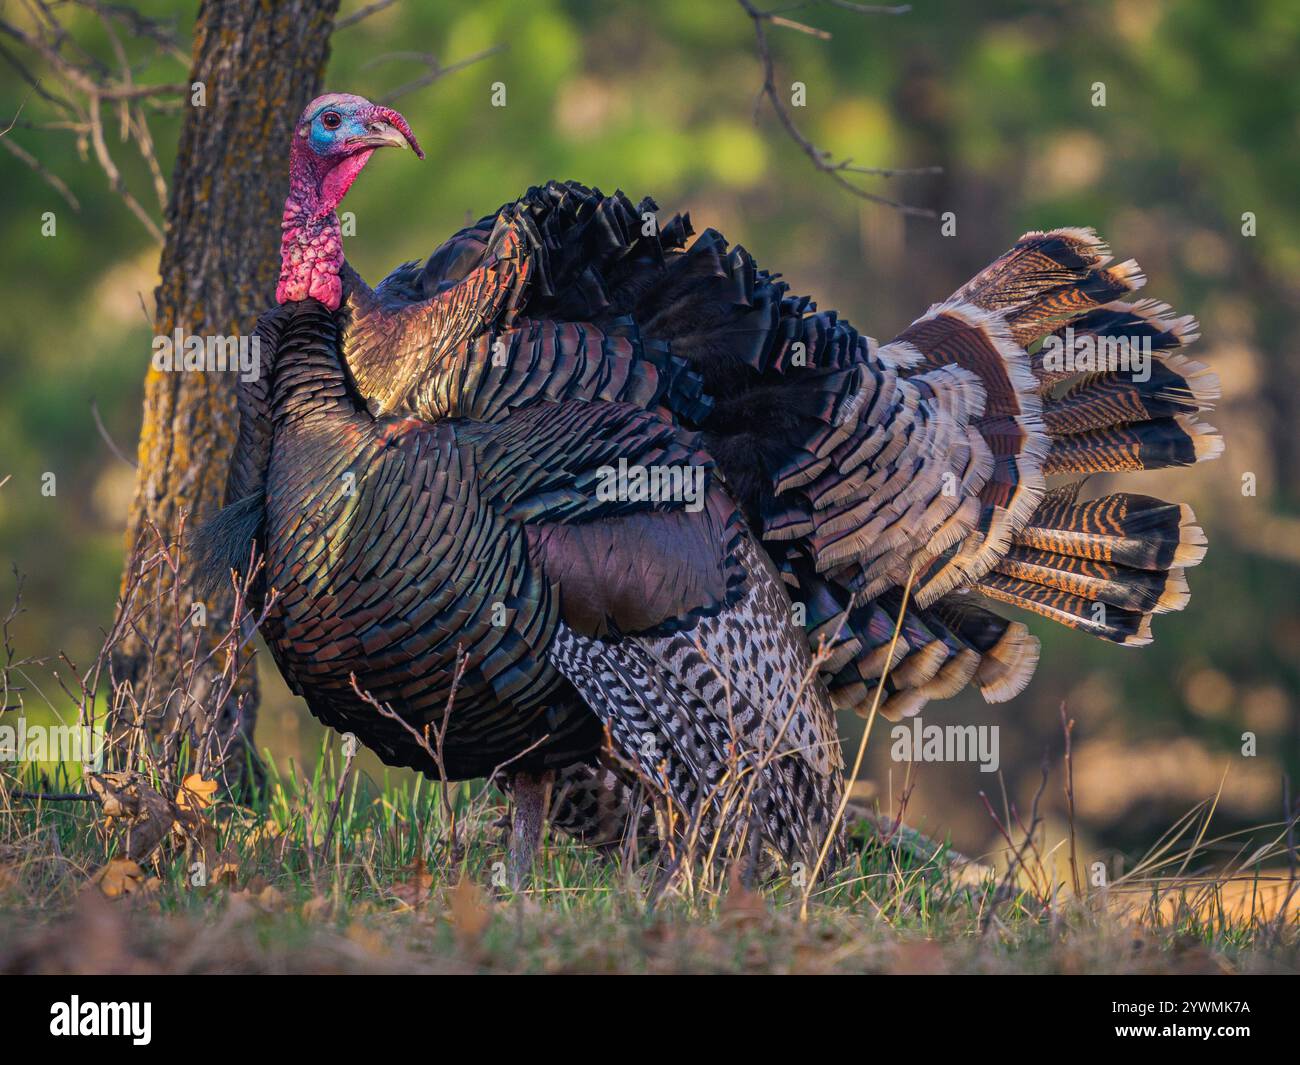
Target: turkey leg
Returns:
[[532, 800]]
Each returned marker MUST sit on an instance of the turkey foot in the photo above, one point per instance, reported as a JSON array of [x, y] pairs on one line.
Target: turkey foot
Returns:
[[532, 798]]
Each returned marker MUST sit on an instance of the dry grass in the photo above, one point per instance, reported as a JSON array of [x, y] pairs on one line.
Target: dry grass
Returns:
[[145, 868], [387, 895]]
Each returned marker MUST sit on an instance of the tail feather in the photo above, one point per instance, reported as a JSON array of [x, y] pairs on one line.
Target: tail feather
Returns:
[[1136, 531], [1146, 322], [1107, 565], [946, 647], [1104, 566], [1008, 650], [1153, 445], [1129, 627], [1133, 589], [929, 455], [1049, 276], [1177, 385]]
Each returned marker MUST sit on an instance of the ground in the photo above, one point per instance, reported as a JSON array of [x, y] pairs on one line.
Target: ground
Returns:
[[391, 887]]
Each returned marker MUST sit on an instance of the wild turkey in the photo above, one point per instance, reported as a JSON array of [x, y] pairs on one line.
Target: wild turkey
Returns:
[[476, 401]]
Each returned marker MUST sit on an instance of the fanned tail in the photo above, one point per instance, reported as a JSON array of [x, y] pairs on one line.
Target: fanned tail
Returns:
[[860, 464], [1077, 382], [1105, 566]]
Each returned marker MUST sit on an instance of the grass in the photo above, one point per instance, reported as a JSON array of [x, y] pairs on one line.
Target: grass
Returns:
[[392, 888], [327, 869]]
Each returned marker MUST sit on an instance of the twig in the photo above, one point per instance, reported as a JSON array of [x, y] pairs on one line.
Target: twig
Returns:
[[862, 749], [434, 748], [23, 103], [436, 69], [1017, 859], [362, 13], [114, 176], [53, 180], [53, 796], [349, 756], [89, 83], [872, 9], [822, 159], [1291, 815], [1068, 728], [103, 432]]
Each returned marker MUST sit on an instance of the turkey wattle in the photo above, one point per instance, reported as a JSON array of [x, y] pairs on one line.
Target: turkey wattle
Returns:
[[421, 465]]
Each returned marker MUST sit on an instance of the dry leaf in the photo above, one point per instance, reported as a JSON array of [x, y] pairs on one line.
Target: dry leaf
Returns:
[[741, 905], [129, 798], [317, 908], [226, 872], [114, 793], [470, 914], [267, 899], [918, 957], [195, 793], [119, 877], [416, 890], [366, 938]]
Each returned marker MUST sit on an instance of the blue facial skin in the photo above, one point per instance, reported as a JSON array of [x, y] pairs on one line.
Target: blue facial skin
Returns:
[[327, 142]]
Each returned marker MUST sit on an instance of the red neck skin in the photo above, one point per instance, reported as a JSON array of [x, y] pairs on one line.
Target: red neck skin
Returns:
[[311, 246]]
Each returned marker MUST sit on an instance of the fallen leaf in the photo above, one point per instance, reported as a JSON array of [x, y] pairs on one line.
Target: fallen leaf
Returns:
[[226, 872], [317, 908], [366, 938], [130, 798], [740, 905], [195, 793], [119, 877], [416, 890], [266, 899], [470, 914]]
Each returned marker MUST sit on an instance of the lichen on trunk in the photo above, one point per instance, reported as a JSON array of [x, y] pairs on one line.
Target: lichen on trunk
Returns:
[[256, 66]]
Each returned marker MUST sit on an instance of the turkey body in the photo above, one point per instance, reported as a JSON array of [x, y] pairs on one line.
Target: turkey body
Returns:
[[386, 560], [470, 576], [426, 472]]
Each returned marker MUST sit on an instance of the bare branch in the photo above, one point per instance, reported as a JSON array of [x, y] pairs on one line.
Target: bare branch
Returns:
[[362, 13], [822, 159], [872, 9], [53, 180], [138, 25], [139, 129], [88, 83], [53, 796], [103, 433], [114, 176], [436, 70], [34, 81]]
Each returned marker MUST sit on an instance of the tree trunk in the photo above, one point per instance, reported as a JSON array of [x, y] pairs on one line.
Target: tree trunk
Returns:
[[259, 64]]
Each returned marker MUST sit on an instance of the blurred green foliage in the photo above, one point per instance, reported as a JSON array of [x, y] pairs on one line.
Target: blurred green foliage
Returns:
[[1199, 126]]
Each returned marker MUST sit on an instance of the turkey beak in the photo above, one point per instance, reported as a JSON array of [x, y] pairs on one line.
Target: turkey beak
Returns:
[[388, 129]]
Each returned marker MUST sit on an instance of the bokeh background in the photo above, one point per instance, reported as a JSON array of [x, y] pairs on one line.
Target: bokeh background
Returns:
[[1201, 125]]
